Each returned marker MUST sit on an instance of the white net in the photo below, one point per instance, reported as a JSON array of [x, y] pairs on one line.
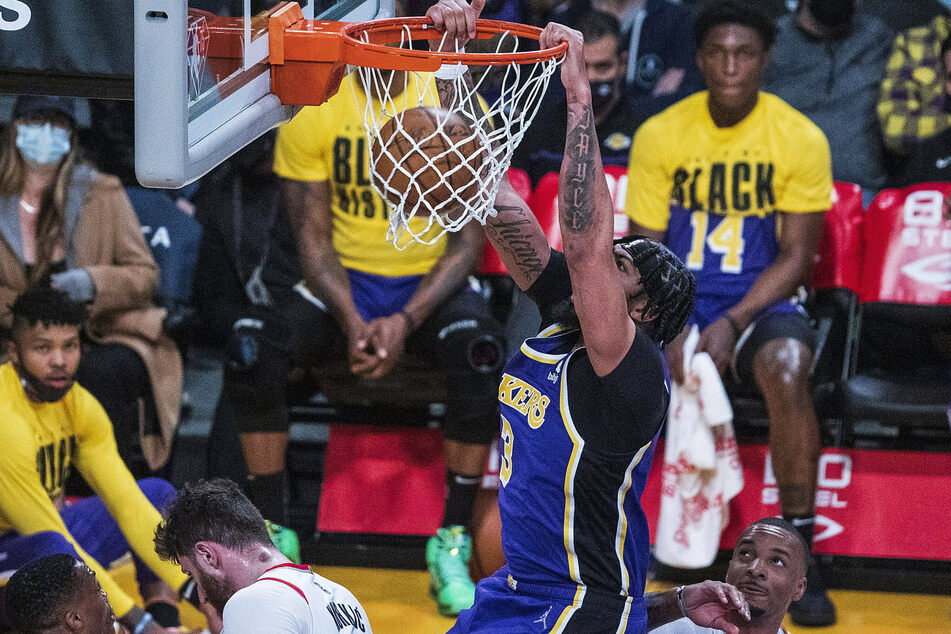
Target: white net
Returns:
[[441, 173]]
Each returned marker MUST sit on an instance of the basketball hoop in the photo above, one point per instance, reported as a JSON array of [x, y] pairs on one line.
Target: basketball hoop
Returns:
[[434, 185], [309, 57]]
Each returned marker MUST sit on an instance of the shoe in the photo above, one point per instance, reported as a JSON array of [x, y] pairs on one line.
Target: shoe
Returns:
[[285, 540], [447, 556], [814, 609]]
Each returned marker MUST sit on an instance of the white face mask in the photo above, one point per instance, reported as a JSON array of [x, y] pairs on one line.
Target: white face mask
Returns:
[[42, 143]]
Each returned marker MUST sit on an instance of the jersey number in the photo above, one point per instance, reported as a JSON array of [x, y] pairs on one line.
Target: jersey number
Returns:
[[726, 239], [505, 470]]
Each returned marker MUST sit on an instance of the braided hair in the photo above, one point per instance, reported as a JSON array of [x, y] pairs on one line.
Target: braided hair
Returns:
[[666, 282]]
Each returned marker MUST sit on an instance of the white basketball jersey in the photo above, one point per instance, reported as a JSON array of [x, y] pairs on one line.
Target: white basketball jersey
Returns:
[[291, 599]]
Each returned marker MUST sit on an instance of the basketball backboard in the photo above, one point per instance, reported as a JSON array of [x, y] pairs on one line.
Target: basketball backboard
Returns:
[[202, 81]]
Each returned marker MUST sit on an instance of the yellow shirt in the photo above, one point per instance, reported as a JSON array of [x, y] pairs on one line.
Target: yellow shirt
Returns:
[[773, 160], [329, 143], [715, 191], [40, 442]]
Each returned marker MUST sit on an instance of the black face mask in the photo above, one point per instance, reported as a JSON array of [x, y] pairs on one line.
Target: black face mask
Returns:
[[37, 390], [833, 14], [603, 94]]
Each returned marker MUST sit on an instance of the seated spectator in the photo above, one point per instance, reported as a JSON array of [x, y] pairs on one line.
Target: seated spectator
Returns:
[[912, 107], [661, 65], [50, 426], [220, 540], [371, 303], [768, 566], [929, 161], [65, 225], [542, 147], [827, 63], [58, 593], [715, 176], [166, 215], [246, 292], [377, 301]]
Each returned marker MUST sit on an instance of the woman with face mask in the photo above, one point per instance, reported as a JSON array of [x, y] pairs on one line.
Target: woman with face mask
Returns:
[[63, 224]]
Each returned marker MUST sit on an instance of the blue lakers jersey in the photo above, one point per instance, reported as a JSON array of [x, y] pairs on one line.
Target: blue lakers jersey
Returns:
[[725, 252], [571, 514]]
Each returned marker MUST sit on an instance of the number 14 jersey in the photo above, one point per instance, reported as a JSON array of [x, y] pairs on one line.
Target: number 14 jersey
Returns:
[[716, 191]]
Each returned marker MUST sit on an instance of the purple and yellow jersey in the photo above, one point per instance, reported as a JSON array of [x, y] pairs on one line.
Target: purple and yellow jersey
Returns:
[[716, 191], [571, 514]]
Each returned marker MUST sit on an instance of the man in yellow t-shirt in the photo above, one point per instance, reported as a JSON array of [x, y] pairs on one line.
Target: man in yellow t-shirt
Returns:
[[50, 424], [736, 182], [376, 300]]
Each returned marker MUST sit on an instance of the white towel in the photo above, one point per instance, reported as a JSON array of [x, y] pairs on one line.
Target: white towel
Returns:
[[702, 471]]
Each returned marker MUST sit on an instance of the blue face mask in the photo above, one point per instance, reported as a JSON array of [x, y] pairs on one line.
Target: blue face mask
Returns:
[[42, 143]]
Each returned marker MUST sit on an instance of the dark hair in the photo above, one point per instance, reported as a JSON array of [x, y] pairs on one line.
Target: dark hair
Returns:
[[669, 286], [37, 592], [789, 527], [743, 12], [595, 25], [48, 306], [211, 510]]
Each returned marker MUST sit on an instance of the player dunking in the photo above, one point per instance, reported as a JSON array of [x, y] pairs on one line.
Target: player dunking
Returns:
[[582, 402]]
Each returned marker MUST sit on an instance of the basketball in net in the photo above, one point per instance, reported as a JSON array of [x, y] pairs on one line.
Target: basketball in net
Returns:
[[428, 159], [440, 168]]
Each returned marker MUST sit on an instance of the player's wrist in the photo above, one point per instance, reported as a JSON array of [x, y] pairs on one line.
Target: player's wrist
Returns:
[[136, 620], [735, 325], [579, 91], [451, 71], [680, 600], [410, 321]]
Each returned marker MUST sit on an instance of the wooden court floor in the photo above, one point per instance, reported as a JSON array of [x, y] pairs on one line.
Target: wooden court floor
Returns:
[[397, 602]]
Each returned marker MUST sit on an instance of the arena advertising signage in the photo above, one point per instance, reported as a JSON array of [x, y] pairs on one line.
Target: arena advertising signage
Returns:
[[869, 503], [91, 37]]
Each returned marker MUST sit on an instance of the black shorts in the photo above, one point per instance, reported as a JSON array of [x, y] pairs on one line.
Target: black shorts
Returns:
[[783, 324]]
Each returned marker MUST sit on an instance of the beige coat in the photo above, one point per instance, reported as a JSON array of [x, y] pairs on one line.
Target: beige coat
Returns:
[[106, 240]]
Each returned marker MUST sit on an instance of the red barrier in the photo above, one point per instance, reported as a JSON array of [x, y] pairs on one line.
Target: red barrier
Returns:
[[889, 504], [838, 260], [907, 247], [382, 480]]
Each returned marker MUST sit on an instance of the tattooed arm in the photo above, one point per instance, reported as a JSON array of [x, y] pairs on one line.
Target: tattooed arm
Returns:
[[517, 237], [586, 216]]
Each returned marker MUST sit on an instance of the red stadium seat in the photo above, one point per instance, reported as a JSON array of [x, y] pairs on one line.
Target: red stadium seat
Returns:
[[544, 203], [833, 302], [895, 374], [617, 184], [839, 256], [907, 238]]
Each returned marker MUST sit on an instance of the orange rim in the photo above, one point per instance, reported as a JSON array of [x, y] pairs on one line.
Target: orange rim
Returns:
[[379, 33]]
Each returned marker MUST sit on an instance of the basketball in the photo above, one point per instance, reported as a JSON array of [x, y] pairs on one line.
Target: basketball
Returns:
[[425, 156]]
